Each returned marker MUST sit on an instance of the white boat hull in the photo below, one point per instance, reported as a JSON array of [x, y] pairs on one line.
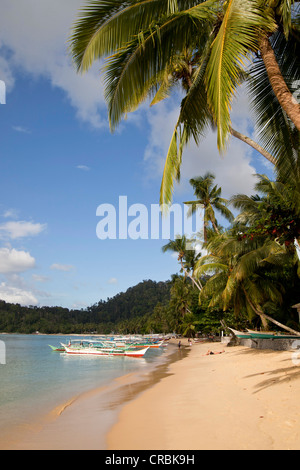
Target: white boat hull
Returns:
[[105, 351]]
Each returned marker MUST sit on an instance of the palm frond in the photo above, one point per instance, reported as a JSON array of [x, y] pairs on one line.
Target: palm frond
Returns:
[[250, 262], [172, 166], [133, 71], [164, 90], [214, 288], [193, 119], [210, 268], [105, 25], [237, 36]]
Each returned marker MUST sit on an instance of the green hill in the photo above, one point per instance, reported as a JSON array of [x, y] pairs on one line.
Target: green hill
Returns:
[[136, 303]]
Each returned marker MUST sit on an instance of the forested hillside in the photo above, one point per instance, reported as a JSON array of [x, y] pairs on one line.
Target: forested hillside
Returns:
[[137, 302]]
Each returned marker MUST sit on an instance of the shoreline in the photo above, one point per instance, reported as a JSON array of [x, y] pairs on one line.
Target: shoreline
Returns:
[[83, 422], [242, 399]]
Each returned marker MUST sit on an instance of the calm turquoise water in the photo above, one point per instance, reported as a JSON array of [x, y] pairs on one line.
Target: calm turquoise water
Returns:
[[35, 380]]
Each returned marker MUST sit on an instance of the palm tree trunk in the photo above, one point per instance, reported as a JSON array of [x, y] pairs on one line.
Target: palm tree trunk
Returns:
[[280, 324], [288, 103], [204, 224], [199, 286], [264, 317], [215, 227], [205, 233], [297, 245], [244, 138], [253, 144]]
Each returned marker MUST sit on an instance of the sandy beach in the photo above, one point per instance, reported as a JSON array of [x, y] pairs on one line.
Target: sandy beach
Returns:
[[241, 399]]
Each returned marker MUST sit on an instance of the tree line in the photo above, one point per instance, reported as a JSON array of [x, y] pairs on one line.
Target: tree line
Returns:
[[251, 267], [102, 317], [149, 307]]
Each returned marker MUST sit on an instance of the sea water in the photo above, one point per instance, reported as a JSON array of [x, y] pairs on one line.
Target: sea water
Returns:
[[34, 379]]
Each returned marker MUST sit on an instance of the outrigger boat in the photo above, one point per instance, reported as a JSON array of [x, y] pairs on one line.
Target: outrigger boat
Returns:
[[114, 342], [138, 344], [270, 335], [57, 349], [97, 348], [251, 334], [135, 341], [240, 334]]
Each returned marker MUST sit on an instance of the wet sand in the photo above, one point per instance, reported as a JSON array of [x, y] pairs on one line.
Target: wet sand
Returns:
[[242, 399]]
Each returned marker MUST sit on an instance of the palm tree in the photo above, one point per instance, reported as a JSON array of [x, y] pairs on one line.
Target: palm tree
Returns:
[[241, 274], [144, 41], [209, 198], [276, 213], [186, 256], [188, 326], [261, 245], [180, 299]]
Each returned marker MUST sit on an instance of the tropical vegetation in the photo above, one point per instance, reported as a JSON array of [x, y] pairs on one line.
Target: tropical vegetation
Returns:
[[209, 198], [148, 307], [126, 311]]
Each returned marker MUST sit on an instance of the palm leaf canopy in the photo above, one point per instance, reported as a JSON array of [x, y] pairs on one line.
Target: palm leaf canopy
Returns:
[[144, 35], [240, 268], [143, 41], [209, 197]]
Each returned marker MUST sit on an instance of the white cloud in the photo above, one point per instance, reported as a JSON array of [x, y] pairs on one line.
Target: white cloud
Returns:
[[83, 167], [21, 129], [113, 280], [62, 267], [21, 229], [233, 171], [18, 290], [11, 214], [84, 93], [14, 261], [39, 45], [6, 73], [39, 278], [16, 295]]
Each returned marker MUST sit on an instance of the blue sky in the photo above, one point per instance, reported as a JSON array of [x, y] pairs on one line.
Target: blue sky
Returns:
[[59, 162]]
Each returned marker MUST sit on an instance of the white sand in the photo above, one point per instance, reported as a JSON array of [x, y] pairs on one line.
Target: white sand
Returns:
[[241, 399]]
